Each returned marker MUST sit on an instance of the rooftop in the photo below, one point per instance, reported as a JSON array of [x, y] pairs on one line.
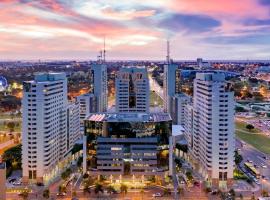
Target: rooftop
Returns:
[[130, 117]]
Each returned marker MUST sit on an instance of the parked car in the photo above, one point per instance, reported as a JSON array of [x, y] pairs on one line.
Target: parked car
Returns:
[[157, 195], [264, 166], [196, 183], [61, 194]]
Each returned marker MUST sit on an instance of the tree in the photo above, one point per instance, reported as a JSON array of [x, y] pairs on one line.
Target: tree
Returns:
[[167, 192], [180, 190], [189, 175], [74, 194], [24, 195], [86, 189], [66, 174], [253, 197], [13, 158], [241, 196], [46, 194], [142, 192], [110, 189], [237, 158], [249, 127], [11, 126], [232, 192], [265, 193], [80, 161], [98, 188], [62, 189], [123, 188]]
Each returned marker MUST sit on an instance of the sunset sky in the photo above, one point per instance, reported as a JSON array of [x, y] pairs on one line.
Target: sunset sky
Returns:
[[134, 29]]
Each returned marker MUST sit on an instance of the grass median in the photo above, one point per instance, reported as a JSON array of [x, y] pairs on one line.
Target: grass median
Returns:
[[253, 137]]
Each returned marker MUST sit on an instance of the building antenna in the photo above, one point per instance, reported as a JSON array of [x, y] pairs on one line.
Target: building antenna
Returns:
[[104, 50], [168, 52]]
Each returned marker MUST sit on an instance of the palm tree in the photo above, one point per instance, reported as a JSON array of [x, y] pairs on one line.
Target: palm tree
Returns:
[[241, 196], [46, 194], [180, 190], [62, 189], [123, 188], [86, 189], [253, 197], [142, 192], [167, 191], [98, 188], [24, 195], [110, 189]]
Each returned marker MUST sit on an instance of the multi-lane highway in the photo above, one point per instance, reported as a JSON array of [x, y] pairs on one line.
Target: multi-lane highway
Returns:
[[257, 158]]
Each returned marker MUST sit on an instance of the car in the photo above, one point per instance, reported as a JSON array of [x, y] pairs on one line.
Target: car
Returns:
[[196, 183], [264, 166], [264, 157], [11, 180], [61, 194], [157, 195], [214, 192]]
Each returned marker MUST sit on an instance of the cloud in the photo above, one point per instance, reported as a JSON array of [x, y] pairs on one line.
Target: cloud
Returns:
[[189, 23], [133, 27]]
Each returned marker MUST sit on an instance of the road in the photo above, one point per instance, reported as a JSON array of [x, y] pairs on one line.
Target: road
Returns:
[[154, 86], [250, 153]]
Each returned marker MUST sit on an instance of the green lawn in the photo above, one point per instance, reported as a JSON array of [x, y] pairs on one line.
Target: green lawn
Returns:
[[259, 141], [155, 98], [242, 126], [252, 137]]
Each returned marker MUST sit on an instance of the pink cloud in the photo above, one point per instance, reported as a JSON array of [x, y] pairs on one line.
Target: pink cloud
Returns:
[[221, 8]]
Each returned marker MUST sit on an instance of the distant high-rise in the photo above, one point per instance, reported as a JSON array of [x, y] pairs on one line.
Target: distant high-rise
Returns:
[[47, 130], [177, 104], [171, 84], [88, 104], [73, 124], [132, 90], [209, 128], [100, 87]]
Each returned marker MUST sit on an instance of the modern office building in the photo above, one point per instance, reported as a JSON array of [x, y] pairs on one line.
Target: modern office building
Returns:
[[46, 132], [100, 86], [2, 180], [73, 125], [171, 84], [177, 104], [127, 144], [210, 129], [88, 103], [132, 90]]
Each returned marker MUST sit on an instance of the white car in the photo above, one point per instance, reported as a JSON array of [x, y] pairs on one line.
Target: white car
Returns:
[[156, 195], [264, 166]]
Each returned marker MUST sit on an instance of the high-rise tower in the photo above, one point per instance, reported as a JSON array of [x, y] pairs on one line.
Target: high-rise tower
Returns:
[[132, 90]]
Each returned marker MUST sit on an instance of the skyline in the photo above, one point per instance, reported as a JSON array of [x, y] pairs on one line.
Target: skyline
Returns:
[[52, 29]]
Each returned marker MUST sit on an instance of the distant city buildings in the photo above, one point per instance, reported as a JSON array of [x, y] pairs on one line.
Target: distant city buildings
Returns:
[[97, 100], [50, 127], [209, 129], [132, 90]]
